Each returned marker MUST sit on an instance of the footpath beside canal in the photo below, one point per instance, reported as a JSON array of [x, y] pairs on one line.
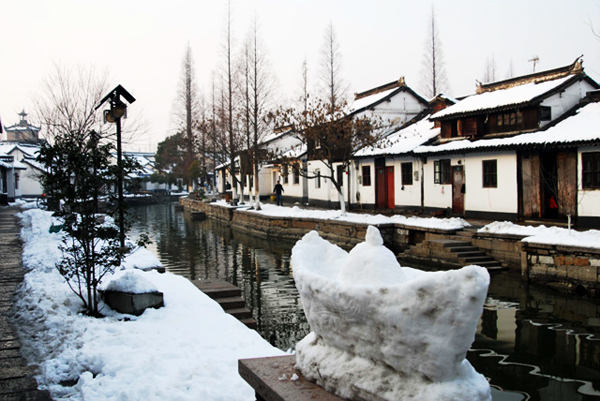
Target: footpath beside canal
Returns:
[[568, 268], [17, 380]]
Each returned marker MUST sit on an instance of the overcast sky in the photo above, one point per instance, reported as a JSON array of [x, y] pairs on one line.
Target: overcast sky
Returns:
[[142, 43]]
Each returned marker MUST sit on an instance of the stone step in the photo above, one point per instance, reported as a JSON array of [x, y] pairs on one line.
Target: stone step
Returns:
[[463, 248], [240, 313], [251, 323], [218, 288], [231, 303], [476, 259], [468, 254]]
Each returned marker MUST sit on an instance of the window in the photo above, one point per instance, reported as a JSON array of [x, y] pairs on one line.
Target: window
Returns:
[[296, 173], [591, 170], [407, 176], [366, 176], [318, 179], [510, 121], [545, 113], [490, 174], [17, 177], [285, 174], [441, 171], [340, 175]]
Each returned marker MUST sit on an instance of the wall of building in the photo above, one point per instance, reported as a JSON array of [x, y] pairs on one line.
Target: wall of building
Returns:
[[564, 101], [502, 199]]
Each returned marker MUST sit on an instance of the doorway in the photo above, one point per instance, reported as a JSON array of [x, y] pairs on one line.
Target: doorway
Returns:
[[458, 190]]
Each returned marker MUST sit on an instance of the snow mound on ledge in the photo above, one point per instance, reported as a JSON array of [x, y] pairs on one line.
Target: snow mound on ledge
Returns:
[[382, 331], [132, 282]]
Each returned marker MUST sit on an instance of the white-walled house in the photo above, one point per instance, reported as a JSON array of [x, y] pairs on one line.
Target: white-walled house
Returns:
[[394, 106], [24, 172], [522, 148]]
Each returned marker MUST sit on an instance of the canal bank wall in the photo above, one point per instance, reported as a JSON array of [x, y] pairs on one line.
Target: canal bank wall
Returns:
[[566, 268]]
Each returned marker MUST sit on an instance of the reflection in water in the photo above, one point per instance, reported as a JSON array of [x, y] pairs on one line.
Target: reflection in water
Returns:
[[211, 250], [533, 343]]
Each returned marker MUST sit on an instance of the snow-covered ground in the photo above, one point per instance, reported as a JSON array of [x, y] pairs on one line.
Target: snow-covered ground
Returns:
[[546, 235], [268, 209], [187, 350]]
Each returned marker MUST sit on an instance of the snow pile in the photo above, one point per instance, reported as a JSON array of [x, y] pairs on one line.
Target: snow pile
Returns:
[[453, 223], [187, 350], [546, 235], [381, 331], [132, 282]]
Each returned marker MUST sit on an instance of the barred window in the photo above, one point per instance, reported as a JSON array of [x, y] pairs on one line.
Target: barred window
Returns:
[[591, 170], [441, 172]]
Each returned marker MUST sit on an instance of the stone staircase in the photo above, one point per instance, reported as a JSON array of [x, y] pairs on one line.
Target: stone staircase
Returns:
[[230, 299], [451, 253]]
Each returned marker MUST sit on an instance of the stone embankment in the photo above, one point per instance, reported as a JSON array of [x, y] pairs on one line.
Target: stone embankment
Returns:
[[561, 267]]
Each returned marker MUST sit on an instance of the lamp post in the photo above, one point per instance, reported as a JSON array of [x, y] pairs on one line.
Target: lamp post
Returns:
[[113, 115]]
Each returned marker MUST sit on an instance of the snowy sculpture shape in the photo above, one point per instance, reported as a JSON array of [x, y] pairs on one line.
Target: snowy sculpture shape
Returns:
[[386, 332]]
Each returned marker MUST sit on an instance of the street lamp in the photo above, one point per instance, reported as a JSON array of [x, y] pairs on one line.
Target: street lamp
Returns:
[[117, 110]]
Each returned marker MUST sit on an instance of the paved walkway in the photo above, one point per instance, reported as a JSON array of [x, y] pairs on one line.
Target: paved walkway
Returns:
[[16, 378]]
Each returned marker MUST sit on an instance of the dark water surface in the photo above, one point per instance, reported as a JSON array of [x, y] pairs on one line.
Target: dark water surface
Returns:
[[531, 343]]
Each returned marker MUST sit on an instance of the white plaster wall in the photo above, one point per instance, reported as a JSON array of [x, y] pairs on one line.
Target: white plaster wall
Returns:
[[367, 193], [400, 108], [504, 198], [30, 182], [437, 195], [323, 193], [411, 194], [588, 199], [564, 101]]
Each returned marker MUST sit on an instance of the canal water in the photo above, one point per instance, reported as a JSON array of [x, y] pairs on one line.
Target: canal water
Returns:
[[532, 343]]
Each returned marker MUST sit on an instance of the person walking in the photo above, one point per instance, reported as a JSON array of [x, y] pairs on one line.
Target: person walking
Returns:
[[278, 191]]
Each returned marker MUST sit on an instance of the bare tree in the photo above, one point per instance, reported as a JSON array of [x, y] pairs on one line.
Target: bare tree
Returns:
[[433, 74], [331, 136], [187, 111], [510, 72], [257, 88], [67, 100], [333, 87], [304, 94], [489, 74]]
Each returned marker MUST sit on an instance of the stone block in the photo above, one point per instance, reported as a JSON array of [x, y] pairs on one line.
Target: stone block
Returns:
[[133, 304], [559, 260], [594, 262], [546, 260], [561, 272], [588, 274], [569, 260], [580, 261]]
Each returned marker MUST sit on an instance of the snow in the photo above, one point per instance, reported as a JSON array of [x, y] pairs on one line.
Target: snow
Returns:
[[546, 235], [363, 102], [454, 223], [404, 140], [187, 350], [132, 282], [499, 98], [393, 331]]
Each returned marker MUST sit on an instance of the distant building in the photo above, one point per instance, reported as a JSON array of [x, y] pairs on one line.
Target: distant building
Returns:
[[21, 132]]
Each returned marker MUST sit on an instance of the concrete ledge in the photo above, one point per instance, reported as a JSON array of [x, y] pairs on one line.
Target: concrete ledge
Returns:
[[133, 304], [271, 379]]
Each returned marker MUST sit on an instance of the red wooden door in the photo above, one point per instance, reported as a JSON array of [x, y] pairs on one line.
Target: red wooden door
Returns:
[[458, 190], [380, 188], [391, 204]]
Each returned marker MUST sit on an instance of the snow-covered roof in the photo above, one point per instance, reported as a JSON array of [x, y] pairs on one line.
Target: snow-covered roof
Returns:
[[579, 128], [502, 98], [369, 100], [404, 140]]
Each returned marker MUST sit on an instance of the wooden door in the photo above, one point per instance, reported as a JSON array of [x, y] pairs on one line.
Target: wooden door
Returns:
[[530, 185], [458, 190], [380, 188], [567, 183], [391, 203]]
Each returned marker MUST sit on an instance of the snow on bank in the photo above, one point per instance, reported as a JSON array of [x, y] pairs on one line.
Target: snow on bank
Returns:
[[453, 223], [187, 350], [546, 235]]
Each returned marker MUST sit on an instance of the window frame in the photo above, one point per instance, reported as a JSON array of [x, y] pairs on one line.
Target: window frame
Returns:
[[406, 171], [489, 173], [590, 170], [442, 172], [296, 174], [318, 178], [366, 176]]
